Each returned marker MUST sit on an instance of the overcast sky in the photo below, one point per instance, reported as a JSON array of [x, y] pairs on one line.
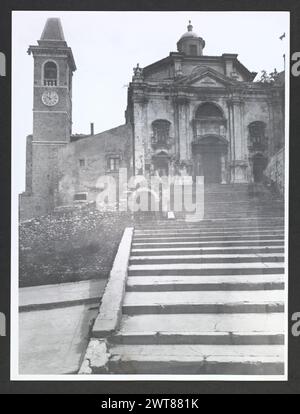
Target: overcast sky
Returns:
[[107, 45]]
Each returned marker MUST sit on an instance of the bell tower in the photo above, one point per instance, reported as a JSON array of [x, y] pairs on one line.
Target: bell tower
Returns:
[[52, 113]]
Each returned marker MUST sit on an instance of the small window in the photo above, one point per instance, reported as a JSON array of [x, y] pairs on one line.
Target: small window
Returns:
[[50, 74], [113, 163], [80, 197], [82, 162], [193, 50], [257, 133], [161, 130]]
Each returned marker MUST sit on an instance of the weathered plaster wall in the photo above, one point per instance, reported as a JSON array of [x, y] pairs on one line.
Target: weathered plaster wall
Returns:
[[275, 171], [94, 150], [239, 109]]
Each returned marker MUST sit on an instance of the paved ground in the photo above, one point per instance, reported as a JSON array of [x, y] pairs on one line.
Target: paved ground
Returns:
[[52, 341]]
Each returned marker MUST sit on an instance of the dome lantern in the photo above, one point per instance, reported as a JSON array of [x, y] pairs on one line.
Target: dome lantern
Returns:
[[190, 43]]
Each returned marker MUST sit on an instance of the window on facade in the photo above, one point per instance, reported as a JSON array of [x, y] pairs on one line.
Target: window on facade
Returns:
[[50, 74], [193, 50], [161, 130], [257, 133], [82, 162], [113, 163], [80, 197], [209, 119], [208, 110]]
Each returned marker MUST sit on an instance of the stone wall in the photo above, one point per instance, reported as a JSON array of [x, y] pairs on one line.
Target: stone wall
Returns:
[[84, 161], [275, 171]]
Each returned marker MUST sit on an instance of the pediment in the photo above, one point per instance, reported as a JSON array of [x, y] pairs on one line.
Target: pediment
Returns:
[[207, 78], [206, 81]]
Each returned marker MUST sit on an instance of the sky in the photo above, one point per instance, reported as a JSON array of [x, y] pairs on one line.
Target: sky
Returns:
[[107, 45]]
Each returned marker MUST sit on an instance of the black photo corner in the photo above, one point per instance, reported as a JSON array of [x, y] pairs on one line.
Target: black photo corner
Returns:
[[151, 392]]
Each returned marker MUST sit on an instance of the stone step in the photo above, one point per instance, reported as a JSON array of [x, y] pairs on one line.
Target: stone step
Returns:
[[220, 214], [197, 338], [207, 251], [202, 234], [213, 223], [239, 324], [247, 209], [241, 205], [197, 219], [175, 228], [204, 283], [237, 196], [209, 244], [197, 359], [207, 238], [237, 199], [212, 258], [213, 232], [233, 212], [206, 269], [203, 302]]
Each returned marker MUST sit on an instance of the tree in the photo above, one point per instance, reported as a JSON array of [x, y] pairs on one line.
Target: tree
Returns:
[[268, 77]]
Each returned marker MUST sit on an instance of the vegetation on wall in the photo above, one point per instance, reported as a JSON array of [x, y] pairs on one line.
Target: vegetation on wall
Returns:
[[69, 246]]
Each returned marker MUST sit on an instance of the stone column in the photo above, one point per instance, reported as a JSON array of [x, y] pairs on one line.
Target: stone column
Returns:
[[223, 169], [140, 132], [231, 156], [183, 123], [239, 164]]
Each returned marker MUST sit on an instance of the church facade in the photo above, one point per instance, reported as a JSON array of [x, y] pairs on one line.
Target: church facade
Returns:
[[187, 114]]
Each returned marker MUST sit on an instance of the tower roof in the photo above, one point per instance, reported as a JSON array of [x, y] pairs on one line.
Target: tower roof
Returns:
[[53, 41], [53, 30]]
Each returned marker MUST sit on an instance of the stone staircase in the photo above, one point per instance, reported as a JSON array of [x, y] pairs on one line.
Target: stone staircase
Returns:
[[236, 200], [208, 297]]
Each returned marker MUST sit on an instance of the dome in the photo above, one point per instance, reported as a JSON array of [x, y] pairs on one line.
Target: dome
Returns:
[[189, 33], [190, 43]]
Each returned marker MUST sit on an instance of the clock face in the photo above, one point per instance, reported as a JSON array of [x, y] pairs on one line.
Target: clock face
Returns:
[[50, 98]]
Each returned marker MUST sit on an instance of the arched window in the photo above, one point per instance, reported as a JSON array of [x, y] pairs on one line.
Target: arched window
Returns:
[[50, 74], [209, 119], [257, 136], [161, 131], [208, 110]]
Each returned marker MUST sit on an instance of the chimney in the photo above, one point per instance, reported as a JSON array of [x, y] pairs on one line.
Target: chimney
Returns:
[[92, 128]]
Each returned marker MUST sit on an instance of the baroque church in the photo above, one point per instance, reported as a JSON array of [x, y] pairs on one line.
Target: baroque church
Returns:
[[187, 114]]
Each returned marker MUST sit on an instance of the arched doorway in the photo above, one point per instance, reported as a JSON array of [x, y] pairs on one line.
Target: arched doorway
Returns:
[[160, 163], [210, 145], [209, 158], [259, 164]]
